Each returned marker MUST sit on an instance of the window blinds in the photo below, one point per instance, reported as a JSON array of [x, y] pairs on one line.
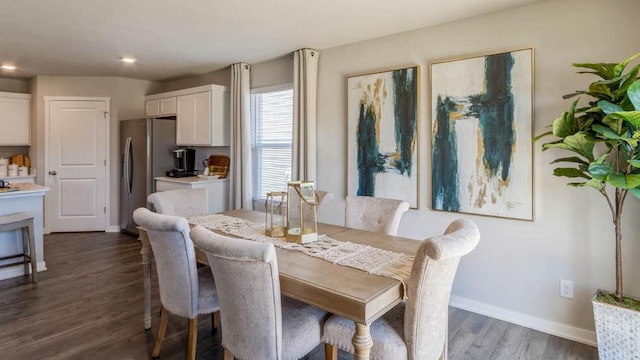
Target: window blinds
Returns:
[[271, 137]]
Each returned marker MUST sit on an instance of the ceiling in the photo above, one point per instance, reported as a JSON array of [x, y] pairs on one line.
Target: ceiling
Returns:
[[180, 38]]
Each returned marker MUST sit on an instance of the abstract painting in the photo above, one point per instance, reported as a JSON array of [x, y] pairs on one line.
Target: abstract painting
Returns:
[[481, 149], [382, 114]]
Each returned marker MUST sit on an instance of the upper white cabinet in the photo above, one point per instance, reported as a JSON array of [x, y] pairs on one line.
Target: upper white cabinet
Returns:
[[15, 119], [202, 114], [160, 107]]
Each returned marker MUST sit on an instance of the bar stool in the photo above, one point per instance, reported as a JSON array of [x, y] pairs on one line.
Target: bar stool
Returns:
[[24, 222]]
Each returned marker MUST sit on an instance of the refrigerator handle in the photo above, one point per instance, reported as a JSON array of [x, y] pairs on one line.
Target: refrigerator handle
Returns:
[[127, 166]]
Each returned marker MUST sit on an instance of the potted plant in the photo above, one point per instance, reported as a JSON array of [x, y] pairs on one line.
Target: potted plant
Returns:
[[603, 138]]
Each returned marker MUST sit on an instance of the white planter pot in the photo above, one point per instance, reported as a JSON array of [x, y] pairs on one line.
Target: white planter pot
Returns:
[[617, 331]]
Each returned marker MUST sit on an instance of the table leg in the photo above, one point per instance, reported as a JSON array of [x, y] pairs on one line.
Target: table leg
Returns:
[[146, 269], [362, 342]]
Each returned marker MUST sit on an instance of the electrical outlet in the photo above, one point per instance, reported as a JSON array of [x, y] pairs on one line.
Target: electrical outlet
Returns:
[[566, 288]]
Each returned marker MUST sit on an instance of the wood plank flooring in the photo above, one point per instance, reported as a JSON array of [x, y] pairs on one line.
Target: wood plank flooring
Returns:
[[88, 305]]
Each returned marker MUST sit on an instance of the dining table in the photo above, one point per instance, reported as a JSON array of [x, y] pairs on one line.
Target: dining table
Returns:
[[354, 294]]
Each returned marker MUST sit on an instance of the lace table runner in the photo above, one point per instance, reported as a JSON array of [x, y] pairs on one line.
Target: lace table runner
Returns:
[[366, 258]]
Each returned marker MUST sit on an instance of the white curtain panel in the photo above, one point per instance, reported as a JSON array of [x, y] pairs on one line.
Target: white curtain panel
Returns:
[[305, 80], [240, 144]]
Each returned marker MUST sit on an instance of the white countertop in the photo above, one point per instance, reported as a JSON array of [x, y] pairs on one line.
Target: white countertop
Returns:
[[17, 178], [25, 189], [189, 179]]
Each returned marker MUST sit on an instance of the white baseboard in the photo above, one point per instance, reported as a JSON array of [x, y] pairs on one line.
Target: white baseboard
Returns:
[[546, 326], [112, 228], [18, 270]]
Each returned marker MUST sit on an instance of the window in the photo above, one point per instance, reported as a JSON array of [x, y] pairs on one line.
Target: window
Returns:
[[271, 137]]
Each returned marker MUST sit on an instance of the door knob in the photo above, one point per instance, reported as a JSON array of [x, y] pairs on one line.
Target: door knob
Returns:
[[53, 172]]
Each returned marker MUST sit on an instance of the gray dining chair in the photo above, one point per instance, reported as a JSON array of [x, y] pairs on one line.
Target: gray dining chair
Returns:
[[374, 214], [256, 321], [324, 198], [183, 202], [416, 329], [184, 290]]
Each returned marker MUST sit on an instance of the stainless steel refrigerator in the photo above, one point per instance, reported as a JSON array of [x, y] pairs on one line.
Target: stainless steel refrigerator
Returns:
[[146, 152]]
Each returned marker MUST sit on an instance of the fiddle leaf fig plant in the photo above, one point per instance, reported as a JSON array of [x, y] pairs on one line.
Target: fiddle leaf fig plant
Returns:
[[603, 139]]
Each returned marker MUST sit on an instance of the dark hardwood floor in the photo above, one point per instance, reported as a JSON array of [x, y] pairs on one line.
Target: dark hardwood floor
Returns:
[[88, 305]]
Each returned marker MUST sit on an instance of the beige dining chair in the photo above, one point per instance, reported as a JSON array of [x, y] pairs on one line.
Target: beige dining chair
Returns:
[[184, 290], [416, 329], [256, 321], [324, 198], [374, 214], [183, 202]]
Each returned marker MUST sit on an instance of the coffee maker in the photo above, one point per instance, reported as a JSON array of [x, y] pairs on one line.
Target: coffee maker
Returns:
[[185, 160]]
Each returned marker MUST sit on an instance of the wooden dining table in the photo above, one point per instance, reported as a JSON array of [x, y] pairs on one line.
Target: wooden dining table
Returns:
[[341, 290]]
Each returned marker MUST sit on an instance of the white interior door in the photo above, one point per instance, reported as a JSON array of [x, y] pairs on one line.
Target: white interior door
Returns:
[[76, 165]]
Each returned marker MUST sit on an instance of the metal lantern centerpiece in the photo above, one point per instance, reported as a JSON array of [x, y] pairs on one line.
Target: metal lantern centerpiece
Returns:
[[302, 227], [275, 218]]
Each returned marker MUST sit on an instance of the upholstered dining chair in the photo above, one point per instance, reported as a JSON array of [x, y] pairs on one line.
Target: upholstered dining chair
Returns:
[[256, 322], [374, 214], [324, 198], [184, 290], [183, 202], [416, 329]]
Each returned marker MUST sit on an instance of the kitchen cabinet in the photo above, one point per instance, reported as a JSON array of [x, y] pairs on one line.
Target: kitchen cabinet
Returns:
[[202, 114], [202, 118], [15, 118], [160, 107], [217, 189]]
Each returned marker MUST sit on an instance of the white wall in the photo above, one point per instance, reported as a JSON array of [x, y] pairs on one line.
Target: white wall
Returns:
[[127, 102], [514, 273], [14, 85]]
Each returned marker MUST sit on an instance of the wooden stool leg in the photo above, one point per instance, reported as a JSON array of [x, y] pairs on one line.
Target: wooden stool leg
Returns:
[[228, 355], [192, 339], [25, 248], [32, 253], [330, 352], [164, 319]]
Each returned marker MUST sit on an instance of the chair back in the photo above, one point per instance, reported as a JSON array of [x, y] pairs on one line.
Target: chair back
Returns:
[[374, 214], [434, 268], [175, 261], [183, 202], [324, 198], [246, 276]]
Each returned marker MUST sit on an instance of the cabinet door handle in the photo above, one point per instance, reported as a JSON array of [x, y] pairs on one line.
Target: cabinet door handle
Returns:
[[53, 172]]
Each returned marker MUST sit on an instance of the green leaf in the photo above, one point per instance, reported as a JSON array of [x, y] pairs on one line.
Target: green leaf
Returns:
[[606, 132], [576, 184], [567, 96], [634, 163], [634, 94], [619, 68], [613, 122], [608, 107], [557, 145], [565, 124], [629, 77], [573, 159], [536, 138], [635, 191], [570, 172], [599, 91], [604, 70], [595, 183], [624, 181], [633, 117], [582, 143], [601, 171]]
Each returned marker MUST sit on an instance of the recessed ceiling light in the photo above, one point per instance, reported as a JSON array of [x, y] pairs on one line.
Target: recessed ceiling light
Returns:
[[8, 67], [128, 60]]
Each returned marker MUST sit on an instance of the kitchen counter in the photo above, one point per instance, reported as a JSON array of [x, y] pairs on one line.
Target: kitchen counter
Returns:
[[19, 179], [190, 179], [29, 199], [23, 189], [217, 189]]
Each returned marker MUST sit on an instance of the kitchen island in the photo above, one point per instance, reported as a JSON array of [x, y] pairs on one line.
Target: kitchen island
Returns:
[[217, 189], [28, 198]]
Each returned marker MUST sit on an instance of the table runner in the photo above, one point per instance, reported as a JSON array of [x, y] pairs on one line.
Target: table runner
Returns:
[[363, 257]]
